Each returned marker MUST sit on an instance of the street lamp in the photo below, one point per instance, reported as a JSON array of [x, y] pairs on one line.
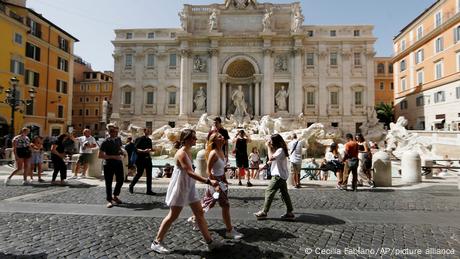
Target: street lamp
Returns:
[[12, 99]]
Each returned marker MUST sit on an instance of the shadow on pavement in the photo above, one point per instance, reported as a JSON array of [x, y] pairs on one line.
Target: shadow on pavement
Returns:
[[38, 255], [375, 190], [261, 198], [144, 206], [232, 250], [317, 219], [156, 193]]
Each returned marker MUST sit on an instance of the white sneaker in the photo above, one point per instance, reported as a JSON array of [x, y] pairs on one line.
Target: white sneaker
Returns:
[[159, 247], [234, 234], [25, 182], [192, 221], [215, 244]]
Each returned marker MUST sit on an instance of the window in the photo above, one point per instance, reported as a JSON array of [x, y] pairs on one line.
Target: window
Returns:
[[96, 126], [172, 98], [419, 56], [96, 112], [390, 68], [310, 98], [30, 108], [457, 92], [80, 112], [458, 61], [420, 77], [63, 64], [150, 97], [437, 19], [310, 33], [16, 67], [402, 65], [310, 59], [96, 99], [419, 32], [439, 45], [151, 35], [60, 113], [18, 38], [61, 86], [32, 78], [81, 99], [335, 124], [403, 84], [333, 33], [438, 70], [334, 98], [172, 61], [358, 98], [35, 28], [382, 86], [87, 112], [392, 86], [439, 97], [403, 105], [150, 60], [63, 44], [457, 34], [381, 68], [32, 51], [129, 35], [419, 101], [149, 124], [128, 61], [172, 35], [403, 45], [127, 97], [356, 33], [357, 59], [333, 59], [87, 99]]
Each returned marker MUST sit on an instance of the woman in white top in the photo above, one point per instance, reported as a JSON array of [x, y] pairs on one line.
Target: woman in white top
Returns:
[[181, 192], [254, 161], [216, 170], [278, 157], [334, 163]]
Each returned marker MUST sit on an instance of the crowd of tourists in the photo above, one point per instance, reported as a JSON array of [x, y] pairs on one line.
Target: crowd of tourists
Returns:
[[181, 191]]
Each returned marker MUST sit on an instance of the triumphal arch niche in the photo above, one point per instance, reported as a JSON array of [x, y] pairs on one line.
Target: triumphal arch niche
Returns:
[[247, 59]]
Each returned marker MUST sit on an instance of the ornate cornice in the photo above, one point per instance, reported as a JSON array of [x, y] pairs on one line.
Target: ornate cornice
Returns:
[[186, 53]]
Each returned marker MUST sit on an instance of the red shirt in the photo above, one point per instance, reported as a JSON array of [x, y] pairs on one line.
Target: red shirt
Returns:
[[351, 149]]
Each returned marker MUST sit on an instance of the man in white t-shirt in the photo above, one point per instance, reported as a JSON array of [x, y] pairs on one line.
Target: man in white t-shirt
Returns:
[[295, 157], [87, 143]]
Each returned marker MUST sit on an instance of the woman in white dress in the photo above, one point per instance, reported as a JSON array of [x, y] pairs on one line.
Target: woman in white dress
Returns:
[[182, 191]]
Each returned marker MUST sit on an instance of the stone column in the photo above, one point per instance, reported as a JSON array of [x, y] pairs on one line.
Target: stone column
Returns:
[[370, 89], [297, 96], [268, 87], [184, 108], [323, 98], [214, 89], [346, 102], [257, 99], [223, 96], [116, 95]]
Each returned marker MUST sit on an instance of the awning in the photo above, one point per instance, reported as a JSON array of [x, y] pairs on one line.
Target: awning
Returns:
[[439, 121]]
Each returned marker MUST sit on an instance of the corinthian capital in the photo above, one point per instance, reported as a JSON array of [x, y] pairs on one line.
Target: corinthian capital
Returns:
[[268, 52], [213, 52], [186, 53]]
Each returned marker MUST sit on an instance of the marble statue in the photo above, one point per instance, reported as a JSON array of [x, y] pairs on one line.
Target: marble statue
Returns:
[[267, 20], [298, 20], [281, 99], [204, 123], [198, 64], [213, 20], [200, 100], [281, 64], [183, 20], [239, 102], [240, 4]]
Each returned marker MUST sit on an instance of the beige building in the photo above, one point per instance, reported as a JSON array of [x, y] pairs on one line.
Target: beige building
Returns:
[[427, 66], [245, 59]]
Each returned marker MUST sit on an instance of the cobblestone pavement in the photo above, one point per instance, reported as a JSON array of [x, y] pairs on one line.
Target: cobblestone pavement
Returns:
[[325, 232]]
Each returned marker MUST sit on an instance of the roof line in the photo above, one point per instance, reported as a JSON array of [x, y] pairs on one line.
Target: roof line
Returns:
[[416, 18], [43, 18]]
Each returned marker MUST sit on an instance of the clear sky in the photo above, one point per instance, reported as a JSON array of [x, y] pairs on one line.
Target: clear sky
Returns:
[[93, 21]]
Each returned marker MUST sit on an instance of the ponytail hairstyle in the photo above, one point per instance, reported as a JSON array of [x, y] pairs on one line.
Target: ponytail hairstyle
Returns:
[[278, 142], [184, 136], [211, 144]]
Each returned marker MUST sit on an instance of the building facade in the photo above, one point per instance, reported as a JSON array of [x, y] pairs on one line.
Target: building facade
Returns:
[[384, 87], [245, 59], [427, 66], [46, 67], [91, 102]]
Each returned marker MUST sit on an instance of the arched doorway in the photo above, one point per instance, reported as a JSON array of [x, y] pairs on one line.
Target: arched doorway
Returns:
[[241, 95]]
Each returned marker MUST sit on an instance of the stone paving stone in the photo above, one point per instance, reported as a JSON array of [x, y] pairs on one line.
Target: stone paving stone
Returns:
[[369, 200], [112, 237]]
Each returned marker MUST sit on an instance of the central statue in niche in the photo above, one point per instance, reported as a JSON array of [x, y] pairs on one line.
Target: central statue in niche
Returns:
[[239, 102]]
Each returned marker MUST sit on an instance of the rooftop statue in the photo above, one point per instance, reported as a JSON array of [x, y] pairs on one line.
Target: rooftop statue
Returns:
[[240, 4]]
